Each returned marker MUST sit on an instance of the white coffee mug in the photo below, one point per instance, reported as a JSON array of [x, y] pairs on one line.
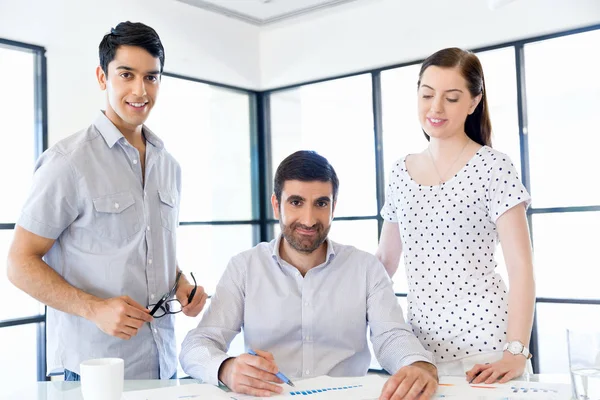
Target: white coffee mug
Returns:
[[102, 378]]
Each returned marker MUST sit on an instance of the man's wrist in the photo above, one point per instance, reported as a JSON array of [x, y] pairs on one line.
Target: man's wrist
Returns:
[[432, 369], [221, 373], [87, 308]]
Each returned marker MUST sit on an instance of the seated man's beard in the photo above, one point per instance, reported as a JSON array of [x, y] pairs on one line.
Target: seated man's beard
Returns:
[[302, 243]]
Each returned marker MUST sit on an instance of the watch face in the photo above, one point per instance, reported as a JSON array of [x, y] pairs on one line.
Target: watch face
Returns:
[[515, 347]]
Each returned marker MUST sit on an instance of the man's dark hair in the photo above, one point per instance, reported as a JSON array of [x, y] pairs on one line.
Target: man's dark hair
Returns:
[[130, 34], [305, 166]]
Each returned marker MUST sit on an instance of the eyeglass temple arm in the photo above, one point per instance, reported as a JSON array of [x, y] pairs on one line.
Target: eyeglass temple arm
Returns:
[[191, 296]]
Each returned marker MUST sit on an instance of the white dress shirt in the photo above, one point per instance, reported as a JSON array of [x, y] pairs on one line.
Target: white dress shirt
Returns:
[[313, 325]]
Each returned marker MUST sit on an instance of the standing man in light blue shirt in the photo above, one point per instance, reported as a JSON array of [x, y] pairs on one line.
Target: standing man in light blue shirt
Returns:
[[96, 238], [305, 303]]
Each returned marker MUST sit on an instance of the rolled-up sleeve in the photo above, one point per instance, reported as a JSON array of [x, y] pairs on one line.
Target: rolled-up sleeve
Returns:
[[205, 348], [52, 203], [394, 342]]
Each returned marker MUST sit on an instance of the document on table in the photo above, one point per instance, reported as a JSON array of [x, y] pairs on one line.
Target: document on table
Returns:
[[369, 388], [326, 387], [458, 388], [365, 388], [196, 391]]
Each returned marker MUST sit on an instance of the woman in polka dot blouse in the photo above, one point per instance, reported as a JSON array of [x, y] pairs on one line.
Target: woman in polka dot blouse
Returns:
[[446, 208]]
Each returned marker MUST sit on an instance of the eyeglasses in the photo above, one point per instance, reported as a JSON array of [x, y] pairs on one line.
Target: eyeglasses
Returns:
[[172, 306]]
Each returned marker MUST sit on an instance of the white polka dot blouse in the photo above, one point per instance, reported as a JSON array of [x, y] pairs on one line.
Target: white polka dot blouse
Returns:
[[457, 303]]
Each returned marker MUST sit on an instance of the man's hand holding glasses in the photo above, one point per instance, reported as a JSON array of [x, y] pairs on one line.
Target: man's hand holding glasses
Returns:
[[188, 298]]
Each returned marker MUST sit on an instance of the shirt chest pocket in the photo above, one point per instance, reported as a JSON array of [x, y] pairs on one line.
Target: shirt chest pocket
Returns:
[[116, 216], [168, 210]]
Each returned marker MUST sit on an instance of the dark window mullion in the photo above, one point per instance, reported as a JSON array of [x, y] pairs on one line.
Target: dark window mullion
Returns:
[[525, 173], [33, 319], [561, 210], [41, 144], [378, 138], [263, 116]]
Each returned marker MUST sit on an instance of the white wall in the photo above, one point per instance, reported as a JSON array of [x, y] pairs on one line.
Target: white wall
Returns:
[[197, 43], [367, 34]]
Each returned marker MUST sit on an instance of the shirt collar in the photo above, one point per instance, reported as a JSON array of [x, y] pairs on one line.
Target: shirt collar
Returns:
[[111, 134], [277, 257]]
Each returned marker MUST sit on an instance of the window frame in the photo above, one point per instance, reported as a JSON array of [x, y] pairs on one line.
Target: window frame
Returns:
[[519, 49], [40, 144], [262, 168]]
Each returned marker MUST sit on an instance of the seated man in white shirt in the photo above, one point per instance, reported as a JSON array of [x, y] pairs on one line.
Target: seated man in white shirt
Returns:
[[305, 303]]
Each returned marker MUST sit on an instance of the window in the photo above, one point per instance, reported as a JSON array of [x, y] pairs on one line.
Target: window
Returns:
[[563, 96], [553, 320], [210, 130], [18, 125], [22, 122], [334, 118], [402, 133], [19, 356], [565, 254], [207, 129], [205, 250], [501, 86], [556, 115]]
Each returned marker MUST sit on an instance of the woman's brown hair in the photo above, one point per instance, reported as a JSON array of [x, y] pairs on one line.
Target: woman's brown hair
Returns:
[[477, 125]]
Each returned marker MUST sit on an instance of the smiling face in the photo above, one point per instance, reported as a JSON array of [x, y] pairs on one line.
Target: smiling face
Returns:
[[305, 213], [131, 82], [444, 102]]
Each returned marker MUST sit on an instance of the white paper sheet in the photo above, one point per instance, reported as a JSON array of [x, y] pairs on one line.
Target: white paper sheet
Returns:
[[459, 388], [369, 388], [365, 388], [184, 392], [326, 387]]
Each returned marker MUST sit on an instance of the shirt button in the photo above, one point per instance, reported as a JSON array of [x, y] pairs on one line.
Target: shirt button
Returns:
[[306, 304], [117, 206], [148, 228], [306, 338], [150, 261], [155, 331], [306, 372], [152, 297], [135, 161]]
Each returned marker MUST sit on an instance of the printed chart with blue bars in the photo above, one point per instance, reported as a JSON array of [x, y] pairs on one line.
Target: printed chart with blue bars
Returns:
[[309, 392], [330, 388]]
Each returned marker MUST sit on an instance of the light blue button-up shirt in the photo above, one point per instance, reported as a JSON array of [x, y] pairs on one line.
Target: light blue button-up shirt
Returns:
[[314, 325], [115, 235]]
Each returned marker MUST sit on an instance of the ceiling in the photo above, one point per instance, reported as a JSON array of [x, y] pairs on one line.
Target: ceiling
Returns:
[[263, 12]]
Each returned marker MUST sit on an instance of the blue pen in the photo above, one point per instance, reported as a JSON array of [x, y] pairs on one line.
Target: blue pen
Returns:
[[279, 374]]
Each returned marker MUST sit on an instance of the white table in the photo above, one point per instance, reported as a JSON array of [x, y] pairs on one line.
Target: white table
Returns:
[[59, 390]]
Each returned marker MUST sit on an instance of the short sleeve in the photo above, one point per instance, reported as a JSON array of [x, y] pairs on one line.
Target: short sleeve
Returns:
[[52, 204], [505, 190], [388, 211]]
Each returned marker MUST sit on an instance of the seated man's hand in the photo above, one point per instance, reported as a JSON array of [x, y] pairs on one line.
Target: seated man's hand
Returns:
[[119, 316], [251, 375], [416, 381]]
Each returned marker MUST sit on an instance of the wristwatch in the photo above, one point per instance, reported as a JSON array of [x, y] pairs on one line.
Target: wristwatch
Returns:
[[515, 347]]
